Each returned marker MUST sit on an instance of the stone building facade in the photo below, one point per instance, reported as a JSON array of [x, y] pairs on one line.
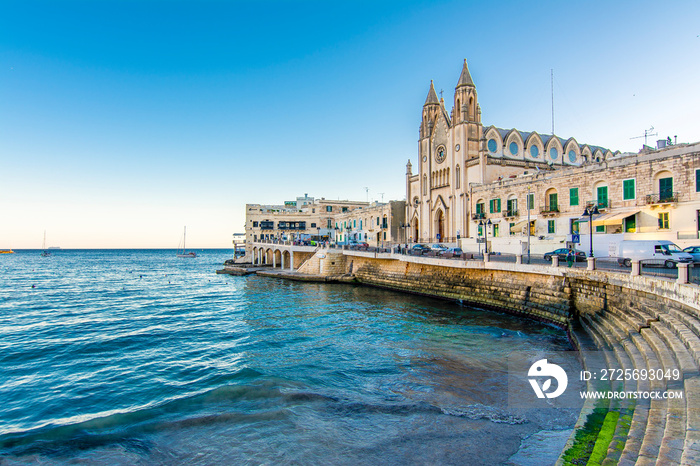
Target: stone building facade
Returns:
[[469, 175], [304, 218], [380, 224], [654, 194]]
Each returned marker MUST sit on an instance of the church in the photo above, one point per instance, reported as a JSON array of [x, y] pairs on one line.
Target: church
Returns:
[[457, 153]]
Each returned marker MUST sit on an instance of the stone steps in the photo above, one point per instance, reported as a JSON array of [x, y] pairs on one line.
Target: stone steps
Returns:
[[625, 356], [687, 329]]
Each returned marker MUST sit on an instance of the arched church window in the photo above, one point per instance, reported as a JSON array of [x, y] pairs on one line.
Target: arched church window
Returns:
[[534, 151], [553, 153]]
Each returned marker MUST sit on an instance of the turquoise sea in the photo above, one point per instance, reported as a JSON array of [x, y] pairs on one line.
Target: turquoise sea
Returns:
[[138, 357]]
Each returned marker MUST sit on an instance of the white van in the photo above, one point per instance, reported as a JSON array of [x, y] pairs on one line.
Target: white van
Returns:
[[653, 252]]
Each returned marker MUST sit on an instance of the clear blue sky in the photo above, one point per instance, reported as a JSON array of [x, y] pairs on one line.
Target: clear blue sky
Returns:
[[121, 121]]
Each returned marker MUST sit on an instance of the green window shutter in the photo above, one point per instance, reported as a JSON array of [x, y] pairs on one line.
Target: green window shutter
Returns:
[[602, 196], [553, 202], [550, 226], [665, 188], [628, 190], [697, 181], [573, 196], [491, 205]]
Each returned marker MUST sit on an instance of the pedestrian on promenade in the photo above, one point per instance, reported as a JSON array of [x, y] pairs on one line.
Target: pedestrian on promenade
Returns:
[[570, 257]]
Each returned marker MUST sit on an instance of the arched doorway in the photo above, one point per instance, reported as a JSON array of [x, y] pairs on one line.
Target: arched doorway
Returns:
[[415, 230], [440, 226]]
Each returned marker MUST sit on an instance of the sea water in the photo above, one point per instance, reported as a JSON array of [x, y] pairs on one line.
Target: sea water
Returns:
[[140, 357]]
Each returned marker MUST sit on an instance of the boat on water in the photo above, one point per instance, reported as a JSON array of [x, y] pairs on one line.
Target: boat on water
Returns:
[[6, 251], [44, 253], [184, 254]]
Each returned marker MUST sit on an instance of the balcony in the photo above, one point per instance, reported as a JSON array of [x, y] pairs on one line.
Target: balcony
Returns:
[[662, 198], [549, 210], [510, 213], [602, 205], [479, 216]]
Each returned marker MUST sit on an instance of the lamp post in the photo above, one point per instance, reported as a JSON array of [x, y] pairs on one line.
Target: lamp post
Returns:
[[527, 204], [485, 225], [590, 212]]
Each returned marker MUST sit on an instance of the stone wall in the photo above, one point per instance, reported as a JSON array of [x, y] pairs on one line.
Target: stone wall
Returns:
[[549, 294]]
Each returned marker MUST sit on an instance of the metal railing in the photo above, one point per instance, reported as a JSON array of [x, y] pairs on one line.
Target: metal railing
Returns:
[[510, 213], [549, 209], [479, 215], [662, 198]]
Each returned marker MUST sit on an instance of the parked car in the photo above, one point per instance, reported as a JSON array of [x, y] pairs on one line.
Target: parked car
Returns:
[[419, 249], [439, 248], [693, 251], [652, 252], [452, 252], [562, 253]]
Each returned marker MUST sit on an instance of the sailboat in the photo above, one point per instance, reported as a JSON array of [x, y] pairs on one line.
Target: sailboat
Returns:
[[44, 253], [184, 253]]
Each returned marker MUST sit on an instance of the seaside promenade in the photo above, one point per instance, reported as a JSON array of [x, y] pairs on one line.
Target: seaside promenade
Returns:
[[640, 322]]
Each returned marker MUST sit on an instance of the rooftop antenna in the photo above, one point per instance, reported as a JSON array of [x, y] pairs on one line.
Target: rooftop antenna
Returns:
[[552, 86], [647, 132], [367, 193], [382, 194]]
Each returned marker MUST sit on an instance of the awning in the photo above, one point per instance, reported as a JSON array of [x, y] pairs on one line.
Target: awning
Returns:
[[614, 218], [518, 227]]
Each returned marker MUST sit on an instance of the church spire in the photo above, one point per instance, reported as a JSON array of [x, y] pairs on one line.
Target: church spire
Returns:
[[432, 96], [465, 79]]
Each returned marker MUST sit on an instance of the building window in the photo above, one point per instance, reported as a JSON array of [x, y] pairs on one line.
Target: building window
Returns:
[[329, 224], [602, 197], [354, 223], [663, 220], [345, 209], [313, 211], [329, 208], [600, 229], [628, 190], [313, 225], [666, 189], [553, 203], [574, 226], [697, 181], [495, 230], [385, 223], [553, 154], [480, 208], [385, 236], [255, 224], [572, 156], [514, 148], [510, 228], [492, 145], [495, 206], [457, 172], [512, 207], [425, 185], [530, 201], [377, 221], [550, 226], [573, 196], [534, 151], [631, 224]]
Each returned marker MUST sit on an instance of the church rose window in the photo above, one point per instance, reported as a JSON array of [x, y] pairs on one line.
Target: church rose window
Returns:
[[572, 156], [534, 152], [514, 148], [492, 145], [553, 154]]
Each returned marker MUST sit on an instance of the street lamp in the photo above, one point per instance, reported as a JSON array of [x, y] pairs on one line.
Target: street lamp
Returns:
[[485, 226], [590, 212]]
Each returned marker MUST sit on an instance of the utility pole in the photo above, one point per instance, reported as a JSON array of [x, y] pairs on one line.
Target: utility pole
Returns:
[[552, 85]]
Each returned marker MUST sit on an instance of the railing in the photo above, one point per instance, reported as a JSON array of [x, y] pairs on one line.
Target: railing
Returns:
[[479, 215], [510, 213], [602, 205], [662, 198], [550, 209]]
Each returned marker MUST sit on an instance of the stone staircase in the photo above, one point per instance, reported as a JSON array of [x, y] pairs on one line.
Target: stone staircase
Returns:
[[656, 431]]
